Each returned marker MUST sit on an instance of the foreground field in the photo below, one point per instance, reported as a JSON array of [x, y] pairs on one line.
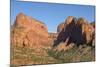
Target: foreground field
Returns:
[[27, 56]]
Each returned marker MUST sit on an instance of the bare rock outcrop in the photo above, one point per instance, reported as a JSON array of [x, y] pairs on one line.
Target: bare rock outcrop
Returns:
[[93, 37], [60, 27], [29, 32], [77, 31]]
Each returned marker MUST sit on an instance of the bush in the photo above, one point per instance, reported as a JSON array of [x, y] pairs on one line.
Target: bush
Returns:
[[73, 55]]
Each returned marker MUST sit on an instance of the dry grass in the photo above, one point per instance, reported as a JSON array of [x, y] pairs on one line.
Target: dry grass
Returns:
[[75, 54], [27, 56]]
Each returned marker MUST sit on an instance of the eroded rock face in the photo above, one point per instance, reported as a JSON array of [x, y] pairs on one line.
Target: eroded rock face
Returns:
[[77, 31], [60, 27], [87, 29], [29, 32], [93, 24], [67, 21], [93, 37]]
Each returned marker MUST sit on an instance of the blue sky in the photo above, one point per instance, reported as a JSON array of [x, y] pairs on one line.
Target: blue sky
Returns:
[[51, 14]]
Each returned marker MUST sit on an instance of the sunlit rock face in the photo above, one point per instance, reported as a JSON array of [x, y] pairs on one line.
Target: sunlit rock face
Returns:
[[60, 27], [28, 32]]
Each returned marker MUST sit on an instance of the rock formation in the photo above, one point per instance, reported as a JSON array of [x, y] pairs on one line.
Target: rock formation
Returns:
[[60, 27], [77, 31], [93, 37], [29, 32], [93, 24]]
